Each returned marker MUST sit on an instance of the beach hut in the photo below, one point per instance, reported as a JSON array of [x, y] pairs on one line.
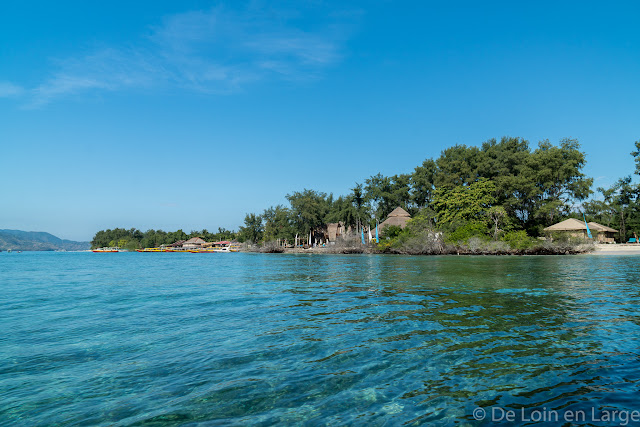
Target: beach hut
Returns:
[[335, 230], [605, 234], [397, 217], [193, 243], [578, 229]]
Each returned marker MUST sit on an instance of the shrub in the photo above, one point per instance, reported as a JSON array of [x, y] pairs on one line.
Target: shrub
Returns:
[[271, 247], [518, 239], [468, 230], [391, 231], [424, 243]]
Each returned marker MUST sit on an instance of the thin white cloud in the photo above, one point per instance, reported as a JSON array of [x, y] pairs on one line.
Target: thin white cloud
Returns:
[[9, 90], [215, 51], [107, 69]]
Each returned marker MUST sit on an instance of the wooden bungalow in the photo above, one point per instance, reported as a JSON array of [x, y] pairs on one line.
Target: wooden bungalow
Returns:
[[335, 230]]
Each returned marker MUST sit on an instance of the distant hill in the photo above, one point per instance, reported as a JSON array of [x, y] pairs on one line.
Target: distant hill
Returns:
[[37, 241]]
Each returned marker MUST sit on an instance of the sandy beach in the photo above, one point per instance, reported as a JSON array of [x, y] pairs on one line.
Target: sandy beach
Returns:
[[620, 249]]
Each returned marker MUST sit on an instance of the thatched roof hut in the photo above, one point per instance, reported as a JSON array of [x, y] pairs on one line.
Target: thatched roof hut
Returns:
[[570, 224], [397, 217], [605, 234], [195, 242], [576, 228], [600, 227]]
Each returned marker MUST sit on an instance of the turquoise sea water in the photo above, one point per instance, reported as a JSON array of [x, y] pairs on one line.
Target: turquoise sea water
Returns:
[[261, 339]]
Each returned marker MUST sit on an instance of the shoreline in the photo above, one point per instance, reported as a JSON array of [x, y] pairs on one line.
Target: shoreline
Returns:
[[599, 249], [348, 250], [616, 249]]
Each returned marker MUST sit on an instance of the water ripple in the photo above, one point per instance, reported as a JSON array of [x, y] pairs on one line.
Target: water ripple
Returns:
[[170, 339]]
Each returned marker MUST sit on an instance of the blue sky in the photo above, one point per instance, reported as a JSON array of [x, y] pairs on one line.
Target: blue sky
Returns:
[[190, 114]]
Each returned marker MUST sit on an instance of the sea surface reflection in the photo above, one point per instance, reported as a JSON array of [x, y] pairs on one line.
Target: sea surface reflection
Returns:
[[169, 339]]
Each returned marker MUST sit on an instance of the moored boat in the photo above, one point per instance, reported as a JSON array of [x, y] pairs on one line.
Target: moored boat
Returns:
[[108, 250], [222, 246], [202, 251], [183, 250]]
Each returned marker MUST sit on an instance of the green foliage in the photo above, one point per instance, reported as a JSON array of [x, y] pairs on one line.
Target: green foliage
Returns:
[[343, 210], [309, 209], [505, 163], [504, 184], [456, 166], [383, 194], [422, 184], [252, 230], [104, 238], [467, 230], [278, 222], [352, 210], [519, 240], [464, 203], [497, 216], [391, 231], [624, 204], [131, 245], [535, 188], [421, 221], [556, 172], [134, 238], [619, 206], [636, 155]]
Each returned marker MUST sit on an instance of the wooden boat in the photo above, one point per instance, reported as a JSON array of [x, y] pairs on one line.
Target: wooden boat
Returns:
[[202, 251], [107, 250]]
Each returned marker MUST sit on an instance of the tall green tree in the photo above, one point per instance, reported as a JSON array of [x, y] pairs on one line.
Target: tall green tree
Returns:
[[278, 223], [464, 203], [625, 202], [378, 195], [505, 163], [557, 172], [422, 184], [252, 230], [343, 210], [309, 209], [636, 155], [359, 201], [457, 165], [602, 211], [383, 194], [400, 193]]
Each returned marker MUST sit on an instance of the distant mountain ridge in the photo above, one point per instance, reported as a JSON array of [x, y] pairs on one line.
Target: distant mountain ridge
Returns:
[[18, 240]]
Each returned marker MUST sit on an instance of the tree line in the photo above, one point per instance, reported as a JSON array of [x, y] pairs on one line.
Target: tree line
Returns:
[[505, 185], [135, 239], [619, 205], [501, 188]]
